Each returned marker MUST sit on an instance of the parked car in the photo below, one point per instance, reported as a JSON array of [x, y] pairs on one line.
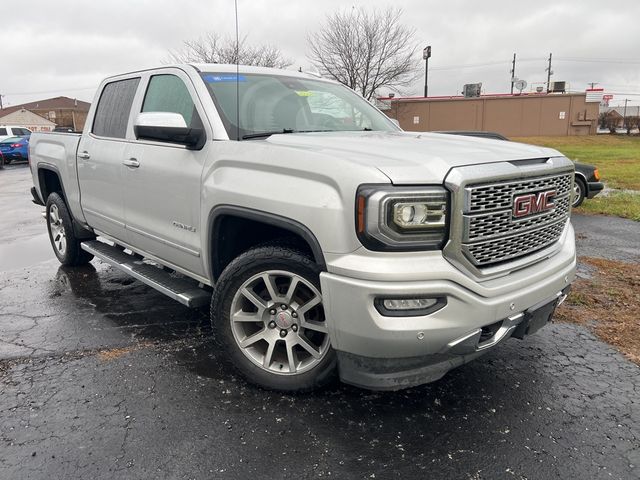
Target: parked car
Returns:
[[7, 131], [324, 243], [586, 184], [15, 148]]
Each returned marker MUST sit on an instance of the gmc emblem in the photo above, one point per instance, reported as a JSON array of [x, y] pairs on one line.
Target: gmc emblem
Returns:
[[530, 203]]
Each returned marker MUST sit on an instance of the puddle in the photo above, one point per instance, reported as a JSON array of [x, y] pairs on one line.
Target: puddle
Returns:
[[25, 253]]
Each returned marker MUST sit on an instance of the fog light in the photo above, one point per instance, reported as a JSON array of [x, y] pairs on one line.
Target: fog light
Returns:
[[408, 303], [408, 307]]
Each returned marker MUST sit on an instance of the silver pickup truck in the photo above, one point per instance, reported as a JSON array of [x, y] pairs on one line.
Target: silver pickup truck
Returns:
[[325, 239]]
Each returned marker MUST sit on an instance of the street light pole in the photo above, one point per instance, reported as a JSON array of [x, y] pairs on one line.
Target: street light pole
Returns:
[[426, 53]]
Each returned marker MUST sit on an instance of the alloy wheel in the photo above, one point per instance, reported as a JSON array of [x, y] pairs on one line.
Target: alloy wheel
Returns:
[[58, 234], [278, 322]]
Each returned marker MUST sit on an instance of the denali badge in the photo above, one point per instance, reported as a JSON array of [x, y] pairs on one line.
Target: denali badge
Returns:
[[530, 203], [183, 226]]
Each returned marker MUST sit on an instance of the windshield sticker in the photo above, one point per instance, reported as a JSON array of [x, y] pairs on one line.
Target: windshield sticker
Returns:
[[224, 78], [304, 94]]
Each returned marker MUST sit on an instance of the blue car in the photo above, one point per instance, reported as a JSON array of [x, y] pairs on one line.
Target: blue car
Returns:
[[14, 148]]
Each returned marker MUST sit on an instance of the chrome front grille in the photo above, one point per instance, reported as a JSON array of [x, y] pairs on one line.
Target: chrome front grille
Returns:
[[498, 196], [498, 224], [492, 251], [492, 235]]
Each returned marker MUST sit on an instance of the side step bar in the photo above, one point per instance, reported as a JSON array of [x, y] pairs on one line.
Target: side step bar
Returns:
[[182, 289]]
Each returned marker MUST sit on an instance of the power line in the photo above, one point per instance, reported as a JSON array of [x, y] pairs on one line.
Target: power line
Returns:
[[627, 61]]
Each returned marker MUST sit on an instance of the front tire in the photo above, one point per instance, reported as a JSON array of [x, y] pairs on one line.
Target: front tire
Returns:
[[579, 192], [268, 320], [65, 244]]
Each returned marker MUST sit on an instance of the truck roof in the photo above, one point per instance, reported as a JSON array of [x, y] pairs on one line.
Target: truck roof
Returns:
[[230, 68]]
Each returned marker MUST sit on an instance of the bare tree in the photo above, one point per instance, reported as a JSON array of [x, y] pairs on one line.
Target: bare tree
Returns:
[[365, 50], [212, 48], [610, 120], [632, 123]]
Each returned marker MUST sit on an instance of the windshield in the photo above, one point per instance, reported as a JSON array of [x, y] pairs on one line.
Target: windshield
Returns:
[[282, 104]]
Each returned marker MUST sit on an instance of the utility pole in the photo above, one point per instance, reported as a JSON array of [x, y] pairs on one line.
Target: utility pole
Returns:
[[592, 84], [624, 114], [426, 53], [513, 72], [1, 107], [549, 73]]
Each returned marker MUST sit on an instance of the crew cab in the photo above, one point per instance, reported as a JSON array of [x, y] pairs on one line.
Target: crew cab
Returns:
[[325, 240]]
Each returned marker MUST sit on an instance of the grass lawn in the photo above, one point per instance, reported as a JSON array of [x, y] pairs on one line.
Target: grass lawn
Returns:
[[618, 159]]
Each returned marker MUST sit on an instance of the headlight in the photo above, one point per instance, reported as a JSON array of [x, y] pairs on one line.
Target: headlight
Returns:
[[402, 218]]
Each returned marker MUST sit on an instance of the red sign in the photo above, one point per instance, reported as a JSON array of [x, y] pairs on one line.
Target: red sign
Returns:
[[607, 97], [530, 203]]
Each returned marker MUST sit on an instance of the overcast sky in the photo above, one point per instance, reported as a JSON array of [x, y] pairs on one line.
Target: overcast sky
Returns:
[[66, 47]]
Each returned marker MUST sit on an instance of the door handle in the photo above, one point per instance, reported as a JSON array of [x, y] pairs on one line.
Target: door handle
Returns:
[[132, 162], [84, 155]]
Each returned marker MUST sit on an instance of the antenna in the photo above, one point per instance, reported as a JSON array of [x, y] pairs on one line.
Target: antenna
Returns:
[[237, 73]]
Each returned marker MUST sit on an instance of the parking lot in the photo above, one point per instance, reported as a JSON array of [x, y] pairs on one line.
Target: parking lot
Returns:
[[103, 377]]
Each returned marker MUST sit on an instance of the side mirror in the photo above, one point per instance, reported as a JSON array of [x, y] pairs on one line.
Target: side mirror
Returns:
[[167, 127]]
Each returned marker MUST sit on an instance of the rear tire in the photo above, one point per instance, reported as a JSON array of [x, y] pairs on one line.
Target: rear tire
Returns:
[[268, 320], [66, 245], [7, 161]]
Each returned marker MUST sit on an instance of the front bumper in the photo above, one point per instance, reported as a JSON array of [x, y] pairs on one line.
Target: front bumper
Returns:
[[594, 189], [380, 352]]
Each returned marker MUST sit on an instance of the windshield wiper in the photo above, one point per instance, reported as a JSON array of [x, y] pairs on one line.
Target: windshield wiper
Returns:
[[267, 134]]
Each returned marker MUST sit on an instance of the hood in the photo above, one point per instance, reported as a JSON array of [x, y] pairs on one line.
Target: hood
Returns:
[[411, 157]]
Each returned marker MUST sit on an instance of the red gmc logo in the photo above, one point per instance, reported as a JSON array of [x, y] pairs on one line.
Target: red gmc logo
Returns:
[[530, 203]]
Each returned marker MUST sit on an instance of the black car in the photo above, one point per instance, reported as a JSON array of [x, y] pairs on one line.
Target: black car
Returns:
[[587, 183], [587, 179]]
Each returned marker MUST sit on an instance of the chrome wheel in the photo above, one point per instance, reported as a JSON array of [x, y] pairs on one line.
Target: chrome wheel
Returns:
[[577, 194], [278, 322], [58, 235]]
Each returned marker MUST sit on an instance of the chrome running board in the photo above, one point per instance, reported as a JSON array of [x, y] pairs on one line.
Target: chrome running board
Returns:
[[183, 289]]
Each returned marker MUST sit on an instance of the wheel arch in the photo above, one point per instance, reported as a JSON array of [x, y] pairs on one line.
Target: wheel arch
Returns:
[[579, 176], [229, 222], [49, 181]]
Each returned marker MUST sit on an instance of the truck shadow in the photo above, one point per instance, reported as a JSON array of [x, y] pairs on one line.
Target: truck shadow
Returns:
[[129, 304]]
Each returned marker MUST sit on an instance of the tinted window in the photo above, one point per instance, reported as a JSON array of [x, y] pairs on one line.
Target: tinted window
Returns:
[[20, 131], [3, 131], [114, 106], [168, 93]]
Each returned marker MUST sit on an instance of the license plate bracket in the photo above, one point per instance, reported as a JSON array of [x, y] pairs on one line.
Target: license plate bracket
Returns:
[[535, 318]]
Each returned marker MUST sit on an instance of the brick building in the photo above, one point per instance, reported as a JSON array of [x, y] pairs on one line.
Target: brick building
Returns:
[[63, 111], [511, 115]]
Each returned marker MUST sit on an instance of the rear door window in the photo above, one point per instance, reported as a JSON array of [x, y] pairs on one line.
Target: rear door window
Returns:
[[3, 131], [114, 107], [168, 93]]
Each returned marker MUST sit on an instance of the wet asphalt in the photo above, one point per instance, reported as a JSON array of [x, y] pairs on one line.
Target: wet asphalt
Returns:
[[102, 377]]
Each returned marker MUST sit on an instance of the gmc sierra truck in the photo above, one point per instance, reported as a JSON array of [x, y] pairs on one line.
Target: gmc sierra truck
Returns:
[[326, 240]]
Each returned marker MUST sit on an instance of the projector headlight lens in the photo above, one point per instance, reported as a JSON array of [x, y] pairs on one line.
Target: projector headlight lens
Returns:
[[409, 218]]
